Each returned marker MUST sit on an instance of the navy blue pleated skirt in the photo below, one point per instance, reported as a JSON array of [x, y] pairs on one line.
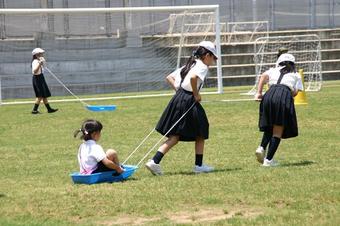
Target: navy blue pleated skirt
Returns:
[[40, 86], [277, 108], [194, 124]]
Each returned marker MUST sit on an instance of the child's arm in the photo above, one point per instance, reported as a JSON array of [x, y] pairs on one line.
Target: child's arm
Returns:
[[193, 82], [171, 80], [263, 79], [295, 92], [108, 163], [36, 66], [298, 86]]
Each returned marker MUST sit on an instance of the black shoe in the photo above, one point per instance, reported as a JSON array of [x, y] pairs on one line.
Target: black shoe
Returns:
[[35, 112], [52, 110]]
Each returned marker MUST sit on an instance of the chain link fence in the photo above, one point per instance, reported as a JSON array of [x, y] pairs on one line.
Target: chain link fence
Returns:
[[288, 14]]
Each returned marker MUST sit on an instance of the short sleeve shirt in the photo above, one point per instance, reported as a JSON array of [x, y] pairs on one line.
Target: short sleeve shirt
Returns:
[[292, 80], [89, 155], [200, 70], [35, 64], [176, 75]]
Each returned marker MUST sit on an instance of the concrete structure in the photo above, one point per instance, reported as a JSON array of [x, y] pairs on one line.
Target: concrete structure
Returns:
[[94, 66], [112, 61]]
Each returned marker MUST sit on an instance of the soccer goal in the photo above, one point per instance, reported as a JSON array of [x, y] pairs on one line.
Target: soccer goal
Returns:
[[126, 51], [305, 48], [246, 31]]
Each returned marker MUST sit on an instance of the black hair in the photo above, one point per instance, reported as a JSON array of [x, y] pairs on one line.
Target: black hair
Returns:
[[88, 127], [281, 51], [33, 58], [289, 67], [199, 53]]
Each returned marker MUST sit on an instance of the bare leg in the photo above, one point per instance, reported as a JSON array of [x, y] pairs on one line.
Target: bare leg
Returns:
[[168, 144], [153, 165], [275, 141], [36, 105], [45, 100], [277, 131], [113, 156], [199, 146], [49, 109], [199, 149], [38, 100]]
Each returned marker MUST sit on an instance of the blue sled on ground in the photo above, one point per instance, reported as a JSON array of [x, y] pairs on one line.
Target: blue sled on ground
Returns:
[[101, 107], [109, 176]]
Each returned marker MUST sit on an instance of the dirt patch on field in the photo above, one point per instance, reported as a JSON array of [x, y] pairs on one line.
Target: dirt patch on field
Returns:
[[188, 217], [129, 220], [211, 215]]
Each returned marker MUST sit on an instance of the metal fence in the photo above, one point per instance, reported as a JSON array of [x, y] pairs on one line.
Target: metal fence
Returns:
[[287, 14]]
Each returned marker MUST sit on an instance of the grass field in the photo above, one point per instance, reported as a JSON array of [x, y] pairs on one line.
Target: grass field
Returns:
[[38, 152]]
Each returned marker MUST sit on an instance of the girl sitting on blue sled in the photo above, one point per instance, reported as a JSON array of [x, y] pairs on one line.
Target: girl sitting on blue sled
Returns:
[[91, 156]]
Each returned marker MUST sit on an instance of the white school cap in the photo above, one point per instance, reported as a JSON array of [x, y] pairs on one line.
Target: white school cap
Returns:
[[285, 57], [209, 46], [37, 50]]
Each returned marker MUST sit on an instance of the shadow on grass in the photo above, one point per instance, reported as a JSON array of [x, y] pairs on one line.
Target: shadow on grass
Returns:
[[190, 173], [2, 195], [129, 179], [301, 163]]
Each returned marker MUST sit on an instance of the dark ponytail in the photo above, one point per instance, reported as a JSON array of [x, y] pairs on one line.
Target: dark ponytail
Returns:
[[88, 128], [185, 70], [289, 67], [199, 53], [33, 58], [281, 51]]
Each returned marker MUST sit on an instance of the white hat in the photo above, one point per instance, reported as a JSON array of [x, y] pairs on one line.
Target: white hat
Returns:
[[285, 57], [209, 46], [37, 50]]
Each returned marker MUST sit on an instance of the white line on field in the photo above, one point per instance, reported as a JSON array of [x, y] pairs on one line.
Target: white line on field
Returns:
[[229, 100], [99, 98]]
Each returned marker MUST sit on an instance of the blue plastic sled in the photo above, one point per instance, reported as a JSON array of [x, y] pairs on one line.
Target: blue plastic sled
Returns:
[[103, 176], [101, 107]]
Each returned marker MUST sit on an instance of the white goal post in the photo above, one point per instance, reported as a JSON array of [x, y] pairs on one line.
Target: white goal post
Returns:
[[306, 50], [144, 49], [248, 30]]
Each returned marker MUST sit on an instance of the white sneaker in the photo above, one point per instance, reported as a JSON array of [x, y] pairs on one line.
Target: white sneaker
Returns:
[[260, 154], [203, 169], [270, 163], [154, 168]]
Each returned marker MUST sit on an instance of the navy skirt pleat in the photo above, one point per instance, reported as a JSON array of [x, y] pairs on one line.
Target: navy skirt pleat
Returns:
[[194, 124], [40, 87], [277, 108]]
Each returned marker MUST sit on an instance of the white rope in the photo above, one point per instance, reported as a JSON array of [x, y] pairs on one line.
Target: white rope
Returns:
[[81, 101], [165, 135], [139, 145], [228, 100]]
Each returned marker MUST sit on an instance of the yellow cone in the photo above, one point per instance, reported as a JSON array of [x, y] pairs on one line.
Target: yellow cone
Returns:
[[300, 98]]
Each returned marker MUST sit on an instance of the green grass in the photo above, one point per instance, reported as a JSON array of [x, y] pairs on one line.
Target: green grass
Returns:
[[38, 152]]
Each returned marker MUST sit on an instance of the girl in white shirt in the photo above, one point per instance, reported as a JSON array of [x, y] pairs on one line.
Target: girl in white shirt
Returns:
[[40, 87], [187, 82], [277, 117], [91, 156]]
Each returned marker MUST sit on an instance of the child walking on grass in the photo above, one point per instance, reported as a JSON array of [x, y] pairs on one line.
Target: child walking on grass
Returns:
[[277, 117], [40, 87], [187, 82]]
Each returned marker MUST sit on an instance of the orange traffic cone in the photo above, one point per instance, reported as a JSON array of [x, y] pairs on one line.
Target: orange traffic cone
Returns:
[[300, 98]]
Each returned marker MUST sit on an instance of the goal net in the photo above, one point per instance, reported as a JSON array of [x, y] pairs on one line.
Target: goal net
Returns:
[[306, 50], [128, 50], [247, 31]]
